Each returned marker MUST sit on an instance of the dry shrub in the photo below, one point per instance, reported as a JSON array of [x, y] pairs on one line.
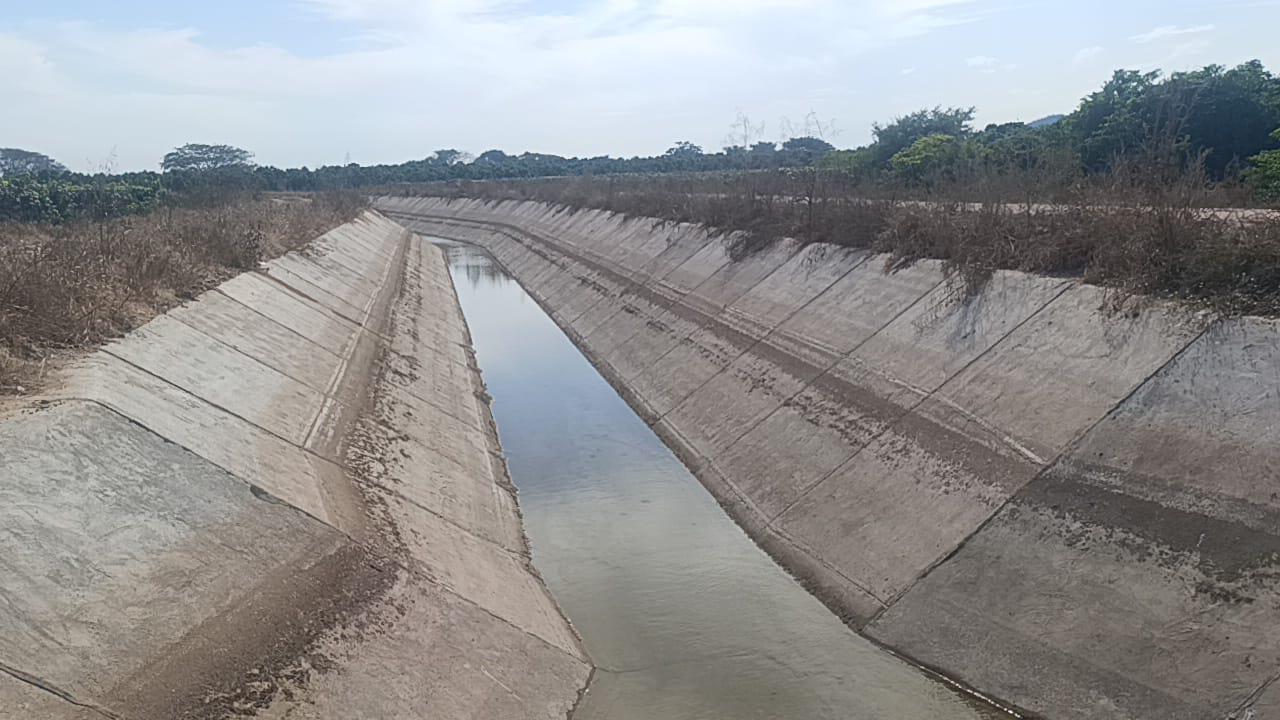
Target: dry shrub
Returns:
[[1145, 228], [77, 285], [1227, 263]]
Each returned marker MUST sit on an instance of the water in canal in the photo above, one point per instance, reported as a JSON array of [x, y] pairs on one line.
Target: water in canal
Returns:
[[685, 617]]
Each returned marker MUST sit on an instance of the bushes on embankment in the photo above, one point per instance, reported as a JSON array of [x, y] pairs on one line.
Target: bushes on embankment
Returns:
[[63, 198], [1145, 228]]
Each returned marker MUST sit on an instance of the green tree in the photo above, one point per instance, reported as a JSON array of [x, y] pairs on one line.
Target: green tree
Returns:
[[1223, 114], [1229, 114], [15, 161], [492, 157], [930, 159], [1265, 172], [683, 149], [448, 156], [861, 164], [199, 157], [904, 131], [806, 150], [1109, 122]]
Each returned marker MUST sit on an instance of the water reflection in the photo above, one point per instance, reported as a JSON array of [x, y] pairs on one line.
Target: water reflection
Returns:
[[685, 616]]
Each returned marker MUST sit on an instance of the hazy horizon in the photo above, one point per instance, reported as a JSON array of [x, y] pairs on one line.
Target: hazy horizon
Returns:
[[321, 82]]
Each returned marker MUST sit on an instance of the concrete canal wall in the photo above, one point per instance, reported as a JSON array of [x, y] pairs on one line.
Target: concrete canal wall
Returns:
[[286, 496], [1074, 511]]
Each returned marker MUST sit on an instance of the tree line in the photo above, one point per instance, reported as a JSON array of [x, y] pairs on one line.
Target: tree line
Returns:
[[1226, 120]]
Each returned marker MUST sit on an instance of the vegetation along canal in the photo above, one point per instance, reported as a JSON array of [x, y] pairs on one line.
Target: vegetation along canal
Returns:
[[684, 616]]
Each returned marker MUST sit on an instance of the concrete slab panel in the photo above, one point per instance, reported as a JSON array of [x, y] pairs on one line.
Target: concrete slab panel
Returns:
[[853, 309], [219, 374], [431, 654], [278, 303], [636, 312], [736, 278], [863, 519], [751, 386], [835, 416], [436, 379], [711, 256], [313, 283], [668, 380], [1078, 603], [948, 328], [247, 332], [599, 315], [1139, 559], [1060, 372], [683, 241], [246, 451], [806, 438], [451, 482], [804, 276], [113, 551], [1203, 434], [484, 573]]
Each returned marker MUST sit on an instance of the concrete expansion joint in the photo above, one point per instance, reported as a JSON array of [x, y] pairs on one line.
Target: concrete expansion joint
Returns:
[[452, 523], [51, 689], [1045, 464], [582, 693], [373, 551], [825, 371], [427, 577], [264, 274], [699, 463], [1244, 711], [260, 314], [257, 490], [437, 406], [216, 406]]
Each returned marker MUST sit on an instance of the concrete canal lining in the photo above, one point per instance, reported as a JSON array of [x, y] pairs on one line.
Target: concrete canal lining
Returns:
[[285, 497], [1065, 508]]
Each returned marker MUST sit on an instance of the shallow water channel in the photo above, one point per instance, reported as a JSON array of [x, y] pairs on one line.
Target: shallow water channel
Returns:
[[684, 616]]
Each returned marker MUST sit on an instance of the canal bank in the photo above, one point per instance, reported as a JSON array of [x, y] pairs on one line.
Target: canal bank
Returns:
[[683, 615], [286, 499], [1066, 508]]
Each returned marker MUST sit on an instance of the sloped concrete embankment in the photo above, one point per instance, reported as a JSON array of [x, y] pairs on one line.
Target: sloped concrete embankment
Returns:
[[286, 496], [1071, 510]]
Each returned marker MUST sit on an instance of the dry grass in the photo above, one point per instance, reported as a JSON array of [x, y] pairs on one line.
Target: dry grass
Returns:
[[1225, 264], [1142, 230], [74, 286]]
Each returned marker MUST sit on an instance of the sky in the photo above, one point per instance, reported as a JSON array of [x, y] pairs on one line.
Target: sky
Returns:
[[319, 82]]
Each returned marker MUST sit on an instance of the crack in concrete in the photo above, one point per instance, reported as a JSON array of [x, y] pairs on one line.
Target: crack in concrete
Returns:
[[51, 689]]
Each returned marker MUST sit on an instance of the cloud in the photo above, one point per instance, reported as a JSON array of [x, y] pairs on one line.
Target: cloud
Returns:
[[1086, 54], [984, 63], [906, 71], [404, 77], [1167, 31]]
